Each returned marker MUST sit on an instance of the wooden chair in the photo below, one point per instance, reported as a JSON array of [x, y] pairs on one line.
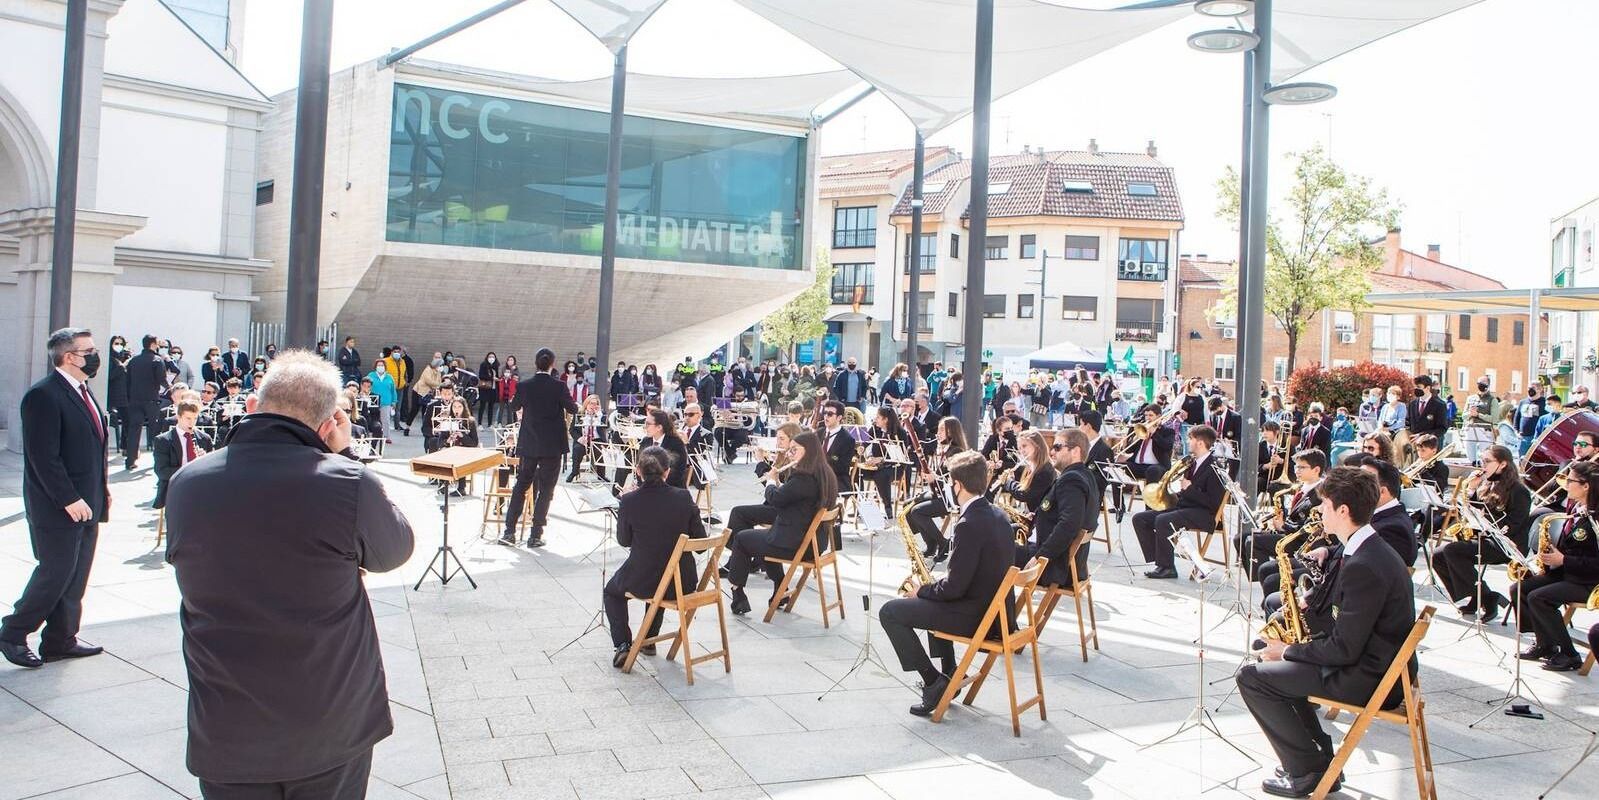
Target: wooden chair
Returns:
[[707, 593], [1010, 643], [1587, 665], [1082, 588], [160, 525], [1103, 534], [497, 497], [1410, 714], [808, 559], [1218, 530]]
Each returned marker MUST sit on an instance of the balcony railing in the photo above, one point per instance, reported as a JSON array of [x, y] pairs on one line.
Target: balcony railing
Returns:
[[1141, 271], [1137, 331], [1439, 343]]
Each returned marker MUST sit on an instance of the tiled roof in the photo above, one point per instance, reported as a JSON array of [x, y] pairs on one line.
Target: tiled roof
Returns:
[[1208, 274], [859, 174], [1037, 180]]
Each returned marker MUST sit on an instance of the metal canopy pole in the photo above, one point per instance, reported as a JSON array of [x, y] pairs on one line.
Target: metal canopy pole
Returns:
[[1533, 313], [1253, 278], [66, 212], [404, 52], [613, 184], [913, 299], [971, 408], [1244, 173], [310, 158]]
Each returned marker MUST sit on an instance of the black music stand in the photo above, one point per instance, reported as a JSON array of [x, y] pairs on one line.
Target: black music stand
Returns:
[[450, 465]]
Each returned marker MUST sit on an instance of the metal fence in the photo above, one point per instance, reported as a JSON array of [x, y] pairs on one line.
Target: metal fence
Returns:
[[264, 333]]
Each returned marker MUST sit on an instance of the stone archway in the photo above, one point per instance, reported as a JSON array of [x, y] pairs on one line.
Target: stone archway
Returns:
[[26, 171]]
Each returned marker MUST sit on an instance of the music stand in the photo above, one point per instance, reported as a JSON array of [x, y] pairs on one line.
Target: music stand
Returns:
[[1475, 519], [1118, 474], [1424, 497], [450, 465], [873, 522], [595, 500]]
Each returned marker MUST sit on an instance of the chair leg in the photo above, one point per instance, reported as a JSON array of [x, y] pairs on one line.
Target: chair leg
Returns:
[[680, 637], [688, 647], [821, 594], [1093, 622], [977, 682], [1426, 751], [1587, 666], [721, 622], [779, 596], [1082, 631], [1010, 685], [650, 610], [1347, 749], [954, 685], [1038, 681], [838, 588]]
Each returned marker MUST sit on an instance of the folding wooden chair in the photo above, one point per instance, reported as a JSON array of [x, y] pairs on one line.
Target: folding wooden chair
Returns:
[[160, 526], [707, 593], [1587, 665], [1218, 530], [1010, 643], [1082, 588], [809, 559], [1103, 534], [497, 497], [1410, 714]]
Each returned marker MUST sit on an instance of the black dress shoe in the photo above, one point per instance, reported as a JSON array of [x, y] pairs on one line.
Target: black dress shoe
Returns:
[[77, 650], [930, 697], [741, 603], [1291, 785], [1561, 662], [1337, 783], [508, 541], [534, 542], [1161, 574], [943, 553], [930, 551], [648, 649], [1537, 652], [1491, 605], [20, 655], [619, 657]]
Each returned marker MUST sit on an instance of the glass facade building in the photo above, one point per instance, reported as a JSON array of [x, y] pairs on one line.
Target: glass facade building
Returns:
[[478, 171]]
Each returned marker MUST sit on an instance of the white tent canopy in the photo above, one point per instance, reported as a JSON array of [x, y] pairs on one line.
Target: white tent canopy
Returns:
[[1306, 33], [613, 22], [1063, 352], [920, 53]]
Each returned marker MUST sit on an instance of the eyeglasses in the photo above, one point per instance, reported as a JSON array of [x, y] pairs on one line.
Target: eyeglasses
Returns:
[[91, 351], [829, 413], [1583, 445], [1575, 479]]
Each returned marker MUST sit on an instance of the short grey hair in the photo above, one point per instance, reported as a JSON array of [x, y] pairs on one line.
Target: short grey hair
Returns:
[[302, 385], [60, 342]]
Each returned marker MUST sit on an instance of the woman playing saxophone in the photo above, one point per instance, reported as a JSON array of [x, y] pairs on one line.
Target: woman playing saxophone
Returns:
[[1570, 560], [1498, 488]]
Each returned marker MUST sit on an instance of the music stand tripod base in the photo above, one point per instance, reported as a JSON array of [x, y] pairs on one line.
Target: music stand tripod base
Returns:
[[451, 464]]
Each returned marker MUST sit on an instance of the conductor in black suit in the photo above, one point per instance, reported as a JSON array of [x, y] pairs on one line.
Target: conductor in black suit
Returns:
[[650, 519], [1195, 506], [147, 379], [65, 498], [540, 442], [985, 547], [1373, 595]]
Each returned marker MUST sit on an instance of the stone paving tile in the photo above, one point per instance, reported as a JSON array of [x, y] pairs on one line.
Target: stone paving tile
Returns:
[[134, 786], [56, 759], [780, 757]]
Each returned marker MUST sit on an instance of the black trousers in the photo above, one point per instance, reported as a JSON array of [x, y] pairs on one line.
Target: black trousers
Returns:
[[732, 440], [1264, 552], [344, 782], [1154, 528], [541, 473], [146, 417], [883, 479], [1540, 610], [748, 552], [1455, 564], [614, 599], [901, 619], [742, 518], [408, 409], [923, 518], [1275, 693], [579, 452], [53, 596], [485, 407]]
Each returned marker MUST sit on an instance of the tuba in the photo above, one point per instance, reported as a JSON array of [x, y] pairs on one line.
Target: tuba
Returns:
[[1288, 624], [920, 573], [1157, 495]]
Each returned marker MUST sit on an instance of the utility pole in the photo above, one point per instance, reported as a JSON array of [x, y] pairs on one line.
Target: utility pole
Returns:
[[1043, 278]]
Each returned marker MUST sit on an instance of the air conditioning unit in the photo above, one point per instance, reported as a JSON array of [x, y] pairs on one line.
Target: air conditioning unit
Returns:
[[1229, 333], [1347, 337], [1131, 267]]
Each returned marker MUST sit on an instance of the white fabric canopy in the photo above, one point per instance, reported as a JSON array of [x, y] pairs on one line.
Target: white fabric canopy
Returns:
[[1069, 352], [786, 99], [920, 53], [1306, 33], [613, 22]]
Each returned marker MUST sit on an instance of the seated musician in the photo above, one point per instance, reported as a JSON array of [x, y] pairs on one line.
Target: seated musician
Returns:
[[1273, 455], [794, 412], [999, 447], [433, 407], [931, 506], [1379, 444], [924, 415], [690, 395], [1570, 573], [840, 448], [805, 488], [1194, 508], [179, 445], [588, 431], [767, 461], [1228, 423], [1353, 649], [462, 432], [1150, 454], [1259, 548], [1068, 510], [1498, 487], [661, 431], [957, 603], [886, 427], [770, 473], [648, 522], [1028, 482], [734, 437], [1556, 501], [1436, 475], [1090, 422], [229, 408]]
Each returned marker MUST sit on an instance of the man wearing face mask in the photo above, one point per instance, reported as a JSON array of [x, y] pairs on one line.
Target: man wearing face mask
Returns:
[[65, 497], [1527, 414], [849, 386], [1427, 414], [236, 362], [147, 382], [279, 707]]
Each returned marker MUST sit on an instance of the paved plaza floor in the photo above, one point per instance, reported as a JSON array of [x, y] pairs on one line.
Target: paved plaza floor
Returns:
[[487, 704]]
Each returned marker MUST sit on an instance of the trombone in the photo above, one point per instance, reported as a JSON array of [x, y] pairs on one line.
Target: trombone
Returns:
[[1412, 473]]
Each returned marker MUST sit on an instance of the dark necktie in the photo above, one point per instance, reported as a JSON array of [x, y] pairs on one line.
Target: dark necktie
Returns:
[[94, 411]]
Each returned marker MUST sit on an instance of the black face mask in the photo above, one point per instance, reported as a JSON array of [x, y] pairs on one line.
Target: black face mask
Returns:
[[1420, 392], [91, 364]]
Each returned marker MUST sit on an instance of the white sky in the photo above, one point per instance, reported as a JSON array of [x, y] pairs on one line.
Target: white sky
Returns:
[[1479, 123]]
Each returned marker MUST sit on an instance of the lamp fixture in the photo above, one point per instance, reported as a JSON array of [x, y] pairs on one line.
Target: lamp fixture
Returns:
[[1300, 94], [1225, 8], [1223, 40]]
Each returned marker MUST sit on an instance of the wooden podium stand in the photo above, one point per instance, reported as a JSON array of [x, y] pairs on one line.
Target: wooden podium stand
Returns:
[[450, 465]]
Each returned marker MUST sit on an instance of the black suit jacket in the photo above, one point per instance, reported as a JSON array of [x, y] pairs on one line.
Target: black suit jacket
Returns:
[[1193, 407], [63, 454], [1069, 510], [169, 457], [1204, 490], [1165, 440], [147, 377], [648, 522], [545, 403], [1438, 476], [1430, 417], [1319, 437], [1396, 528], [840, 456], [1098, 453], [797, 499], [677, 474], [1374, 607], [985, 549]]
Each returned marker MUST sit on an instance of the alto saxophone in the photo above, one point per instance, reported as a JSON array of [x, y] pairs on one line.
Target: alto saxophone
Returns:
[[1515, 570], [1288, 624], [920, 574]]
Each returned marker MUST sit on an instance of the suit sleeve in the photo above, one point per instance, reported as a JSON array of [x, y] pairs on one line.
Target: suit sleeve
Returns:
[[382, 533], [797, 489], [1361, 604], [962, 570], [164, 466], [1033, 494], [41, 437], [624, 525], [696, 525], [1059, 542]]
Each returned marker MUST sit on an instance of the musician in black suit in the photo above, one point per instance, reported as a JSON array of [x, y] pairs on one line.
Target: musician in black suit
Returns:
[[1390, 520], [840, 448], [926, 420], [177, 447], [1150, 455], [588, 431], [956, 603], [1091, 422], [147, 382], [1571, 570], [1069, 510], [1228, 423], [1436, 475], [648, 522], [1427, 413], [1259, 548], [65, 498], [1373, 595], [540, 442], [1316, 433], [661, 431], [1194, 507], [805, 488], [1508, 501]]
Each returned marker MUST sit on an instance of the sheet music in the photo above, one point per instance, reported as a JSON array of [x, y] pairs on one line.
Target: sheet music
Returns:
[[614, 458], [872, 516], [1184, 546], [707, 468], [596, 498]]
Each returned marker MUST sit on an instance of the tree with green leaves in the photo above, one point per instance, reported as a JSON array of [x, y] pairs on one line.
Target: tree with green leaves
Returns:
[[803, 318], [1321, 256]]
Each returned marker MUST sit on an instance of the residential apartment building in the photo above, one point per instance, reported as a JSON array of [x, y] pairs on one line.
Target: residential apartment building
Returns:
[[1573, 337], [1456, 349], [1079, 249]]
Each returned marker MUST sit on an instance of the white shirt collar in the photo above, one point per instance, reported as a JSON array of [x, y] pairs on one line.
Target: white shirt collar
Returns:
[[71, 381], [1385, 506], [1200, 462], [1358, 538], [974, 498]]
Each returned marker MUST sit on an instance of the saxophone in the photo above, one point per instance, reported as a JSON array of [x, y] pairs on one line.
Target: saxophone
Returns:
[[1288, 624], [1157, 495], [1515, 570], [920, 574]]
